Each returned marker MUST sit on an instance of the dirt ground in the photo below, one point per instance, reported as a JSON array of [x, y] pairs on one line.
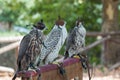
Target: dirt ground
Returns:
[[104, 74], [99, 73]]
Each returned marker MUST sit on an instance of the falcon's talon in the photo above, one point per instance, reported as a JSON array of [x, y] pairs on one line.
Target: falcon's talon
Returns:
[[60, 66], [57, 63], [76, 56]]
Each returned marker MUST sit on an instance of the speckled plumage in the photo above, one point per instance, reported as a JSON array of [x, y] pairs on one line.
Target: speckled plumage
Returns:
[[54, 41], [75, 39], [30, 48]]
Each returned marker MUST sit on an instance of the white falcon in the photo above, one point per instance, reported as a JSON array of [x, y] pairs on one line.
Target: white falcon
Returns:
[[53, 42], [75, 39]]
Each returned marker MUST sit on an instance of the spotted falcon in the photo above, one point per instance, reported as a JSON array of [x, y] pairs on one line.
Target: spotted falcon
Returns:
[[54, 41], [75, 39]]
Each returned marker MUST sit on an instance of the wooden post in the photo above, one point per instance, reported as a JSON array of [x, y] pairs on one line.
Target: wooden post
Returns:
[[111, 50]]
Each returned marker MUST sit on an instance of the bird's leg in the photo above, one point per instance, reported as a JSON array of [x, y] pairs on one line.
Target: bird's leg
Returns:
[[61, 69], [60, 66], [36, 70], [82, 59], [32, 67], [59, 63]]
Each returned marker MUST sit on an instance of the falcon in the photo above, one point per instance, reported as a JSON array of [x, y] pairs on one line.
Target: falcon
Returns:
[[53, 42], [75, 39], [30, 48]]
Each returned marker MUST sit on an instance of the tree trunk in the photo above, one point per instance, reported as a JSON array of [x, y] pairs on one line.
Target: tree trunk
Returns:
[[10, 26], [111, 49]]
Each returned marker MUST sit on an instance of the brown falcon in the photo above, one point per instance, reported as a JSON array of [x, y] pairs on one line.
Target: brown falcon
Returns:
[[30, 48]]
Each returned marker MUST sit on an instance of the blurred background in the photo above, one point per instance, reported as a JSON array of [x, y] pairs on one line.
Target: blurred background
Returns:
[[98, 16]]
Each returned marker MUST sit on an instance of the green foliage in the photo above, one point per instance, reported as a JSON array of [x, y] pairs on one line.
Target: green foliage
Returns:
[[9, 11], [23, 12], [94, 53]]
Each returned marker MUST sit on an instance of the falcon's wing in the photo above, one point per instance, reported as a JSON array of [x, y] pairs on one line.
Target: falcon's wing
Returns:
[[41, 37], [51, 42], [70, 39], [23, 46]]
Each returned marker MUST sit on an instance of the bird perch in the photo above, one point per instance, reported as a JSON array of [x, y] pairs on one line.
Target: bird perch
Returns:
[[10, 39], [72, 66], [9, 47], [94, 34]]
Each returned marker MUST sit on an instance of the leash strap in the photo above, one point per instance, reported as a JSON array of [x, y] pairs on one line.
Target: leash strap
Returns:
[[61, 69], [85, 64]]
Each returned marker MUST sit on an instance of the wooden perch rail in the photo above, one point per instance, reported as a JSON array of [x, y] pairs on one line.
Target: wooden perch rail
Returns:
[[94, 34], [10, 39], [6, 69], [13, 39], [72, 67], [9, 47], [93, 44]]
